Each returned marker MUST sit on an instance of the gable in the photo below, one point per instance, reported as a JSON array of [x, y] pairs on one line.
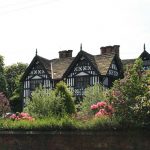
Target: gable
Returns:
[[37, 70], [36, 67], [115, 68], [83, 62], [145, 55]]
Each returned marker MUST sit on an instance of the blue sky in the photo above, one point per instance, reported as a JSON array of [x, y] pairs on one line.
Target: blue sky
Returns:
[[55, 25]]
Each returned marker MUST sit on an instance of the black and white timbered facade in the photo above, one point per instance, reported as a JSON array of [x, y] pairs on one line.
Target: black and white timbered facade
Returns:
[[36, 75], [78, 72], [145, 56]]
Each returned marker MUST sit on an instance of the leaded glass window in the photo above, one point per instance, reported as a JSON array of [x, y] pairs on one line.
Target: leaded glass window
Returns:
[[35, 82], [82, 82]]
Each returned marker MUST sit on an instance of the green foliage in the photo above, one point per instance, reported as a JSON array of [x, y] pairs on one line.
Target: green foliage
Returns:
[[42, 103], [15, 102], [93, 95], [45, 103], [103, 123], [130, 96], [13, 75], [2, 76], [66, 96], [64, 123]]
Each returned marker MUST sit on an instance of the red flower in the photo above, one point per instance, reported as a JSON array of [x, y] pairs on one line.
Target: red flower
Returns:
[[101, 104], [21, 116], [13, 116], [99, 114], [93, 107]]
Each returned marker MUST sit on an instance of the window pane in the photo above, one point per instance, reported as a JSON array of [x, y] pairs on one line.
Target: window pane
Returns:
[[35, 83]]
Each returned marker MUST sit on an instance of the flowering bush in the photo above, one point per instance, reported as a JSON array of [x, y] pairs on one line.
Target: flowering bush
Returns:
[[92, 95], [21, 116], [130, 96], [4, 104], [102, 109]]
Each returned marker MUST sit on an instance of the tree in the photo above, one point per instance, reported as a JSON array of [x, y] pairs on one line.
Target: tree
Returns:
[[131, 97], [66, 97], [13, 75], [2, 76]]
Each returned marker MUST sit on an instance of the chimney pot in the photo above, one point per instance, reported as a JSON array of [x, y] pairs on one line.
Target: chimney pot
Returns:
[[110, 50], [65, 53]]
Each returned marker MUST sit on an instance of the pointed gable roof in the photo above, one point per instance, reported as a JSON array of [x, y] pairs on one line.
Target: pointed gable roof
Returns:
[[44, 63], [100, 63], [60, 67], [145, 55], [55, 68], [88, 56]]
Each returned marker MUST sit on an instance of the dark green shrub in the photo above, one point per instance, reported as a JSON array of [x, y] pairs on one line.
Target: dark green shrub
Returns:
[[66, 97], [16, 103]]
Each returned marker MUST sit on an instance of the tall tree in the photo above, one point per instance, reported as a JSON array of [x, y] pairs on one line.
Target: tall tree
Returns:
[[2, 76], [13, 75]]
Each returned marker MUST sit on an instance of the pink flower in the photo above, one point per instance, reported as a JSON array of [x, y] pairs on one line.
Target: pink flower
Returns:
[[101, 104], [103, 111], [17, 118], [13, 116], [99, 114], [93, 107], [24, 114], [109, 108], [21, 116]]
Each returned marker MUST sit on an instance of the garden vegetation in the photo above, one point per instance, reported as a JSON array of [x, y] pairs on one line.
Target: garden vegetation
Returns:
[[126, 105]]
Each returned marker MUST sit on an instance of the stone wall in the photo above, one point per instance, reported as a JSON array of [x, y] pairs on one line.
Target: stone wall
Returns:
[[74, 140]]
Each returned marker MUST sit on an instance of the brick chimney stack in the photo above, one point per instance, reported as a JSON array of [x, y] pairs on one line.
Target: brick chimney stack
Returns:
[[110, 50], [65, 53]]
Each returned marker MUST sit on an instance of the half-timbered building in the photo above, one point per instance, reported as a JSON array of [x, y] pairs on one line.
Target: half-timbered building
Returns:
[[78, 72]]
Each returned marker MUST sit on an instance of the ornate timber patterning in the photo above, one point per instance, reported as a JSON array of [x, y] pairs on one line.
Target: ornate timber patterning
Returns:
[[35, 78], [146, 64], [78, 72], [81, 76], [113, 70]]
